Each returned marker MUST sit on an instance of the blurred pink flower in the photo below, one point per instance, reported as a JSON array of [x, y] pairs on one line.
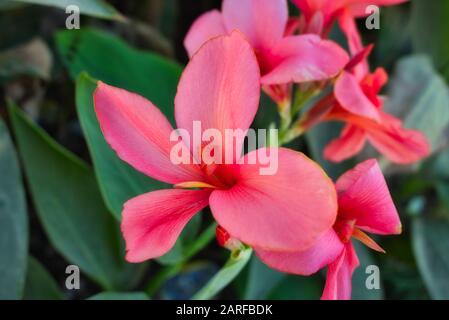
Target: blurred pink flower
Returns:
[[359, 105], [283, 58], [319, 16], [364, 204], [220, 87], [356, 101]]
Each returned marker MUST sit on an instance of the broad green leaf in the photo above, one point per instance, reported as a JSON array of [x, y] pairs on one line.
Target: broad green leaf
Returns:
[[13, 221], [261, 279], [298, 288], [419, 95], [430, 31], [230, 270], [95, 8], [109, 59], [430, 239], [70, 206], [40, 285], [120, 296], [359, 288]]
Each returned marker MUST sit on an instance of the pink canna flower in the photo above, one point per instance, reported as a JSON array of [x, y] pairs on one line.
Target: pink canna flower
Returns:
[[283, 58], [360, 106], [356, 102], [220, 87], [319, 16], [364, 205]]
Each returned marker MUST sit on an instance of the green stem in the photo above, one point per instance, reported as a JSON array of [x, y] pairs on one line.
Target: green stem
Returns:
[[301, 97]]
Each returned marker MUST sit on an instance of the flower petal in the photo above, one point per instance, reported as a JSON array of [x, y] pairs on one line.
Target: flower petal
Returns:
[[350, 143], [152, 222], [349, 28], [358, 7], [325, 250], [339, 275], [351, 97], [363, 195], [398, 144], [262, 21], [140, 134], [205, 27], [305, 58], [327, 7], [220, 87], [286, 211]]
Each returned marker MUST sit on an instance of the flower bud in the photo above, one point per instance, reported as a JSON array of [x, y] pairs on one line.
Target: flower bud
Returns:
[[225, 240]]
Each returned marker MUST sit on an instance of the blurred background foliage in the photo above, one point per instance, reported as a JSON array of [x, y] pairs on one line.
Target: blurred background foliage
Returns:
[[62, 187]]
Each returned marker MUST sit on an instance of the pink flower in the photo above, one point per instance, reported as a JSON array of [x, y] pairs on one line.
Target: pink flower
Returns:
[[319, 16], [359, 105], [364, 205], [356, 102], [283, 58], [220, 87]]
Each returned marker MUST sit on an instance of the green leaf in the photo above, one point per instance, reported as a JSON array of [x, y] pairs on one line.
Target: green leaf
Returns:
[[222, 278], [419, 95], [257, 289], [40, 285], [95, 8], [430, 239], [147, 74], [13, 221], [120, 296], [430, 31], [70, 206], [359, 289]]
